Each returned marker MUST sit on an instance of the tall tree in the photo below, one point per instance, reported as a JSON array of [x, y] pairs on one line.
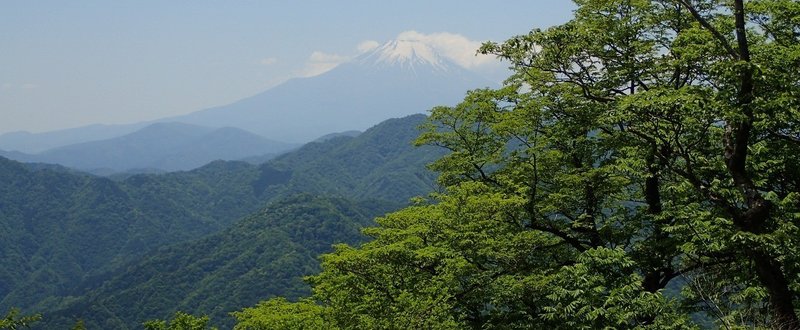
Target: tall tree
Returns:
[[704, 94]]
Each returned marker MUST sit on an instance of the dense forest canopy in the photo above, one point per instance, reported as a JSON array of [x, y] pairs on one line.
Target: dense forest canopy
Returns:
[[639, 169]]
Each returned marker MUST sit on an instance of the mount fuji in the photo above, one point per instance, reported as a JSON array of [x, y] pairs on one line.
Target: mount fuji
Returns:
[[398, 78]]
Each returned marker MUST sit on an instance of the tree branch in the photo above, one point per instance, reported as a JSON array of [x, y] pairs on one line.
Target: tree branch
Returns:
[[700, 19]]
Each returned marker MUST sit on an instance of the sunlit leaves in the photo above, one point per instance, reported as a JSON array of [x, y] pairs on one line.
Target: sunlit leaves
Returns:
[[180, 321], [13, 321], [278, 313]]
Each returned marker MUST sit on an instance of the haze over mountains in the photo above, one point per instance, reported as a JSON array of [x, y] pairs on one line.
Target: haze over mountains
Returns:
[[398, 78], [33, 143], [160, 147]]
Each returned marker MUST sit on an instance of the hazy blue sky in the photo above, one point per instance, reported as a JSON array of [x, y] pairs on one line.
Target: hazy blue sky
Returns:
[[72, 63]]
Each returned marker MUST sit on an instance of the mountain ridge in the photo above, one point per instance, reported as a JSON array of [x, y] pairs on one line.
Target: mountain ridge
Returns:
[[167, 146], [303, 109], [31, 143]]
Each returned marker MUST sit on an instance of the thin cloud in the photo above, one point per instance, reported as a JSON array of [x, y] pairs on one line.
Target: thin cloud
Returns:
[[367, 45], [322, 57], [268, 61], [321, 62]]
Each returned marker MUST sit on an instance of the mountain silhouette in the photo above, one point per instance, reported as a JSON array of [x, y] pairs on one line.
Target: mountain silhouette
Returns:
[[399, 78]]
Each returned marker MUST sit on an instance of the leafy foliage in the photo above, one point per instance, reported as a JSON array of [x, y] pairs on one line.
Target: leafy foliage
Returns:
[[13, 322], [180, 321], [278, 313]]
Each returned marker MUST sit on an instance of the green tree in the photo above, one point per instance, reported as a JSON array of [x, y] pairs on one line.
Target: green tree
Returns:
[[180, 321], [13, 321], [641, 145], [701, 97], [280, 314], [79, 325]]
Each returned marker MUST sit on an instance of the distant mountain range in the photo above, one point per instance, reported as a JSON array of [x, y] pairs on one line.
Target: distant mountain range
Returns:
[[161, 147], [399, 78], [34, 143]]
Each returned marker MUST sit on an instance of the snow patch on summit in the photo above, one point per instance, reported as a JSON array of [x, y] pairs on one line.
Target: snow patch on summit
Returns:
[[407, 54]]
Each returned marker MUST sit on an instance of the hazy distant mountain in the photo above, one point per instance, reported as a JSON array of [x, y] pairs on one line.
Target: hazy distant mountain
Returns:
[[400, 78], [18, 156], [31, 143], [162, 146]]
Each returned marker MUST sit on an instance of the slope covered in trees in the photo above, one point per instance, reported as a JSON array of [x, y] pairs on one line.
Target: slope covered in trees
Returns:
[[380, 163], [640, 144], [59, 228], [67, 233], [265, 254]]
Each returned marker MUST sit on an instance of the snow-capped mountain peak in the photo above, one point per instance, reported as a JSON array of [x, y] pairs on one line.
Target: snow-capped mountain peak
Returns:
[[405, 53]]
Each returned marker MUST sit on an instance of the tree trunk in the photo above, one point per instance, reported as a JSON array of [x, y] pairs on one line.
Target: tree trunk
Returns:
[[780, 297]]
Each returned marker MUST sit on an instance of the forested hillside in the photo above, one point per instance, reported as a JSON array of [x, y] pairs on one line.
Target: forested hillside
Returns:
[[265, 254], [60, 228], [381, 163], [69, 233]]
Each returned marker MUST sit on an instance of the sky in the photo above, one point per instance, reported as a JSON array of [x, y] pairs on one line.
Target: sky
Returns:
[[67, 64]]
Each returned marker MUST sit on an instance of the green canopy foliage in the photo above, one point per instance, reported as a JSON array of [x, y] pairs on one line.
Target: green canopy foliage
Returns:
[[180, 321], [11, 321]]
